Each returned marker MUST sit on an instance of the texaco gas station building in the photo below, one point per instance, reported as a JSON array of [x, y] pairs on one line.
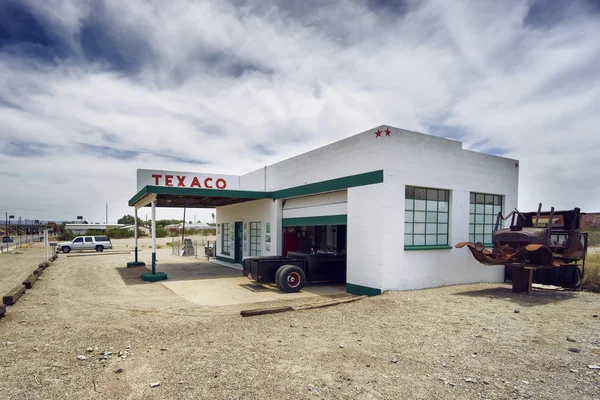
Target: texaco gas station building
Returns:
[[394, 201]]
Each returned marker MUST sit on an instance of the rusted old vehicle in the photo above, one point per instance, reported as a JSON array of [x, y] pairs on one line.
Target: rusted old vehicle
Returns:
[[541, 247]]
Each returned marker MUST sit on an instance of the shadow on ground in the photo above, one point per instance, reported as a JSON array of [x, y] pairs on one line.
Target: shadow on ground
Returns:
[[537, 297], [132, 276]]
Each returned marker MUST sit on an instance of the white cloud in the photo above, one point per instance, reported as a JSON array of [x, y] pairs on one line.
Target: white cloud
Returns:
[[207, 81]]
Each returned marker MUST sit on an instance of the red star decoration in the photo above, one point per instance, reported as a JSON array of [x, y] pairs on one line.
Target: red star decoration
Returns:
[[516, 165], [387, 132], [378, 133]]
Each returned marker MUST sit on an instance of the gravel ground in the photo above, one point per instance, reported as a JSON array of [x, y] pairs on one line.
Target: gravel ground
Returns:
[[463, 342]]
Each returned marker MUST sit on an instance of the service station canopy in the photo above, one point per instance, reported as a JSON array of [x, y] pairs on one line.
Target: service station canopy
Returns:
[[189, 189], [193, 198], [199, 190]]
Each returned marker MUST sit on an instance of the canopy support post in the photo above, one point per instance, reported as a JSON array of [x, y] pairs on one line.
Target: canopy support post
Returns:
[[135, 263], [154, 276]]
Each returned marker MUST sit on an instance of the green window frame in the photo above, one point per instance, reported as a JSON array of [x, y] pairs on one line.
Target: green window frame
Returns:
[[483, 210], [225, 238], [255, 238], [426, 218]]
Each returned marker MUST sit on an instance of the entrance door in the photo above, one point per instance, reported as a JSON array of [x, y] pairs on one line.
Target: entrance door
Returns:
[[238, 242]]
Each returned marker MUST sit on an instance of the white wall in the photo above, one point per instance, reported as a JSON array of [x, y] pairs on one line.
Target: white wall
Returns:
[[435, 163], [264, 211], [332, 203], [365, 237]]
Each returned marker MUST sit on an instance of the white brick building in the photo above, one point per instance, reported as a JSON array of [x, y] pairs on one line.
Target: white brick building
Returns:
[[393, 200]]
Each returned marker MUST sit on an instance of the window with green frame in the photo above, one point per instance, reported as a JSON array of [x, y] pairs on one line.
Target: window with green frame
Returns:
[[255, 235], [225, 237], [483, 210], [426, 216]]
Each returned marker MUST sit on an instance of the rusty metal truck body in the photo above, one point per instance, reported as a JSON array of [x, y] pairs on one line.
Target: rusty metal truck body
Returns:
[[548, 243]]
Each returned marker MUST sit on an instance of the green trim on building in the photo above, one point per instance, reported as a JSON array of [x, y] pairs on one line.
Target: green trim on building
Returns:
[[341, 219], [242, 194], [368, 178], [225, 259], [406, 248], [362, 290]]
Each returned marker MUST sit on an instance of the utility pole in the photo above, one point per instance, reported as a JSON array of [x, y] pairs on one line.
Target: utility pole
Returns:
[[107, 213], [183, 230], [19, 231], [6, 229]]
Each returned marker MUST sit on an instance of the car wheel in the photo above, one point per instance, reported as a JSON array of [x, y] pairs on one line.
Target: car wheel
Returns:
[[66, 249], [99, 248], [291, 279]]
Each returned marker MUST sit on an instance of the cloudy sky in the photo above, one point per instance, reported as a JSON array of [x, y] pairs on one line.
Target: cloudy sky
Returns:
[[92, 90]]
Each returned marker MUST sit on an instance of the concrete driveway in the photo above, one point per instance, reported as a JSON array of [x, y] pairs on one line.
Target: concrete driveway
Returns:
[[210, 284]]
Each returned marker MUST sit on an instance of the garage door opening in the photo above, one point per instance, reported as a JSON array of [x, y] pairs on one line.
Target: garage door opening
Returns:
[[323, 245]]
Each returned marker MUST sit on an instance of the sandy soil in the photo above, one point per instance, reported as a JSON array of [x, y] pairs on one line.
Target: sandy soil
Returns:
[[464, 342]]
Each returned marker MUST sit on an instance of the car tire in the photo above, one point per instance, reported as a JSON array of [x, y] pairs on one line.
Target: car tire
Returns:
[[277, 274], [66, 249], [99, 248], [291, 279]]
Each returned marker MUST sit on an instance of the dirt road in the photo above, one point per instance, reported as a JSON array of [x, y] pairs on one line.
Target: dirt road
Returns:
[[464, 342]]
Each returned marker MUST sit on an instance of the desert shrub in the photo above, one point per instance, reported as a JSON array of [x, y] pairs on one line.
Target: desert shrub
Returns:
[[591, 279], [161, 232], [67, 234], [593, 237]]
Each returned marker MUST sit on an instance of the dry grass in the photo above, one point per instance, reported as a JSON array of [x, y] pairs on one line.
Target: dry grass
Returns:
[[591, 280]]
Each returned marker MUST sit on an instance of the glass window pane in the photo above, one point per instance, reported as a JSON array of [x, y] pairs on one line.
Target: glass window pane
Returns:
[[420, 205], [498, 200], [472, 238], [479, 198], [419, 229], [408, 228], [472, 198], [443, 217], [472, 208], [479, 238], [443, 206], [487, 229], [479, 208], [472, 228], [497, 209], [471, 218], [431, 216], [443, 195], [487, 239], [489, 209], [431, 228], [489, 199], [479, 219], [432, 205], [431, 240], [442, 228], [478, 228], [409, 192], [408, 204], [432, 194], [408, 240], [489, 219], [442, 240], [420, 193], [419, 216], [408, 216], [419, 240]]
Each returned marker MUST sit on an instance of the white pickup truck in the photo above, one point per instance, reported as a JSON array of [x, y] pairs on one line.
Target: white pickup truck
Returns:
[[98, 243]]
